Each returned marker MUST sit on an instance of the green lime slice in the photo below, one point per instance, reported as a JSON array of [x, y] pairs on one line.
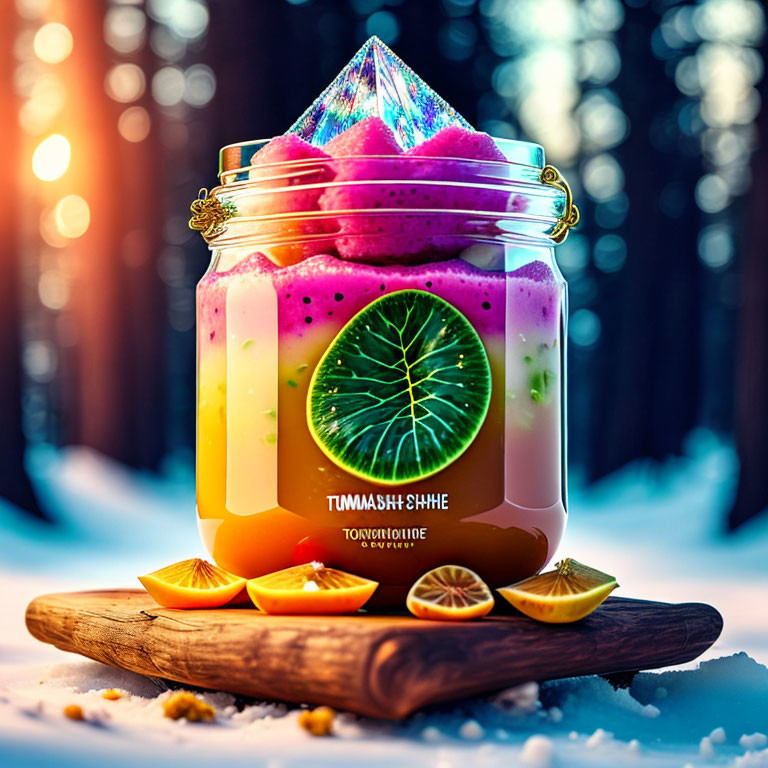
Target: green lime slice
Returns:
[[402, 390]]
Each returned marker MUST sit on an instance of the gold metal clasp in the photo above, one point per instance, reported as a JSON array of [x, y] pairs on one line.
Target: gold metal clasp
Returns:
[[209, 214], [570, 218]]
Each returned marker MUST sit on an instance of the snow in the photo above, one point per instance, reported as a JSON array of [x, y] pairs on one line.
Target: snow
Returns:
[[752, 760], [706, 748], [717, 736], [753, 740], [538, 752], [658, 529], [471, 730]]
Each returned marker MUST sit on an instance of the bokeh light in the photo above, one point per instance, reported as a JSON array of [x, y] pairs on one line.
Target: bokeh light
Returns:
[[610, 253], [31, 9], [49, 231], [134, 124], [72, 216], [25, 76], [602, 177], [52, 289], [385, 25], [166, 45], [537, 79], [715, 246], [711, 193], [603, 123], [573, 254], [40, 360], [199, 85], [599, 61], [53, 43], [125, 82], [188, 19], [51, 158], [458, 39], [168, 86], [46, 100], [125, 28], [584, 328], [729, 20]]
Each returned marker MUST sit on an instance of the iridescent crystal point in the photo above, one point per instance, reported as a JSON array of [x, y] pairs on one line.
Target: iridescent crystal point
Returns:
[[377, 83]]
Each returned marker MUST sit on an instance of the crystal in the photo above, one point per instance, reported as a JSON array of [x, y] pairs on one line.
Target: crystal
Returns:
[[376, 82]]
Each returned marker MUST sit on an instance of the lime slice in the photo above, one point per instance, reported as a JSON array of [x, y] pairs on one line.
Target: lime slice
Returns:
[[449, 593], [569, 593], [402, 391]]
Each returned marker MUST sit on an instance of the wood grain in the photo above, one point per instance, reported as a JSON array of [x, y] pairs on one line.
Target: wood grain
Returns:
[[377, 665]]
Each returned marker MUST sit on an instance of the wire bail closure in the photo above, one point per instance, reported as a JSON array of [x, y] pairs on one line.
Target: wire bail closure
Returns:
[[570, 218], [209, 215]]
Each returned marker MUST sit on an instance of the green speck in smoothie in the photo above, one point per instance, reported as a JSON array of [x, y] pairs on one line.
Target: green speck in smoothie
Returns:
[[247, 343], [301, 368], [272, 413], [271, 439], [540, 383], [292, 383]]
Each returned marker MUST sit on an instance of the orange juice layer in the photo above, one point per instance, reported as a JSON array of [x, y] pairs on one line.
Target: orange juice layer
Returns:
[[268, 497]]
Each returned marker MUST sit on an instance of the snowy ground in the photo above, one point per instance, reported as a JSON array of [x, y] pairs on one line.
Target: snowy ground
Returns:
[[657, 529]]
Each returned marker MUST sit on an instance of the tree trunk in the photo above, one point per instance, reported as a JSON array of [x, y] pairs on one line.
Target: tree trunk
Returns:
[[647, 367], [117, 399], [752, 362], [14, 481]]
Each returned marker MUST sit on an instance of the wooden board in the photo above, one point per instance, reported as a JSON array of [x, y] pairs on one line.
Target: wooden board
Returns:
[[378, 665]]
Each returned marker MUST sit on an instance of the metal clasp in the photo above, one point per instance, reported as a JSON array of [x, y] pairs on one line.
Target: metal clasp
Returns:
[[209, 215], [570, 218]]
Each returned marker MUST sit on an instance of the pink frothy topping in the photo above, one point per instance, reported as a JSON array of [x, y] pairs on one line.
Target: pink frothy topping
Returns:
[[407, 237], [284, 148], [293, 193], [455, 141], [323, 289], [370, 136], [367, 172]]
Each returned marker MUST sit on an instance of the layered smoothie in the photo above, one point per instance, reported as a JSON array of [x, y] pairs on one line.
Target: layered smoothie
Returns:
[[380, 361]]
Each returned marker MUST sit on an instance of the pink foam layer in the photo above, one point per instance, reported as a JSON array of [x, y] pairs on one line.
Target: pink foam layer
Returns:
[[323, 289], [533, 300]]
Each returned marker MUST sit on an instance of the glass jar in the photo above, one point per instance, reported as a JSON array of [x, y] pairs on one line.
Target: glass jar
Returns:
[[381, 378]]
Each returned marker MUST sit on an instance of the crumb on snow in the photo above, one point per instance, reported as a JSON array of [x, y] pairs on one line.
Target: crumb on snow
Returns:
[[472, 730], [74, 712], [185, 705], [598, 738], [538, 752]]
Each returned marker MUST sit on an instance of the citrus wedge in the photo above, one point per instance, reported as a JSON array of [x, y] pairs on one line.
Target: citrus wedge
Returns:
[[192, 583], [310, 588], [449, 593], [569, 593]]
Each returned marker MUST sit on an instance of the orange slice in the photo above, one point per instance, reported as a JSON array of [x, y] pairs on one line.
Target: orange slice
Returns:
[[192, 583], [450, 593], [310, 588], [569, 593]]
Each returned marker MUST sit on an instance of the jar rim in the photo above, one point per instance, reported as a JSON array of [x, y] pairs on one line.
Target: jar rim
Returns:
[[235, 158]]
